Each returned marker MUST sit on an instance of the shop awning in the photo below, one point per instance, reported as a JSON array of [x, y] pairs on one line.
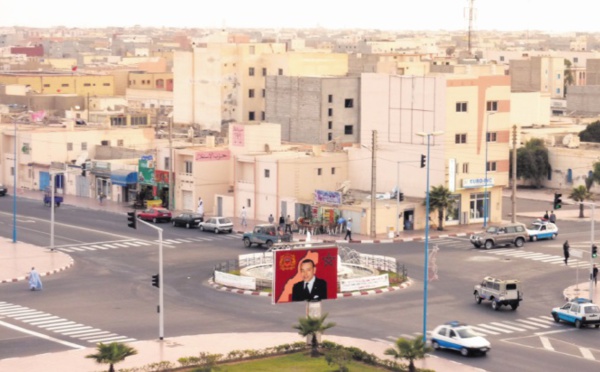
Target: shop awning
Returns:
[[123, 177]]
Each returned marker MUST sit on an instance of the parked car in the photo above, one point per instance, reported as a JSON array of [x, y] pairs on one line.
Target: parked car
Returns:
[[217, 224], [580, 312], [458, 336], [155, 215], [3, 190], [506, 234], [502, 292], [187, 219], [266, 234], [542, 230]]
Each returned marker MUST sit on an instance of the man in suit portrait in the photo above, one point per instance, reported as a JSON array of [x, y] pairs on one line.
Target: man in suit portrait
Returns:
[[310, 288]]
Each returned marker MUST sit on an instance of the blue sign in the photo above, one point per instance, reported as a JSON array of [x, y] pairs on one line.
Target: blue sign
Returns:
[[328, 197]]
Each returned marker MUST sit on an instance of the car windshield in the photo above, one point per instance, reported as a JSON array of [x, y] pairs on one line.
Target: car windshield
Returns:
[[592, 309], [225, 220], [466, 333], [534, 226], [491, 230]]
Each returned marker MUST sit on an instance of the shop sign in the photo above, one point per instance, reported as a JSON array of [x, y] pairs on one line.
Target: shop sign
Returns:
[[328, 197], [100, 166], [146, 172], [212, 155], [162, 177], [236, 281], [147, 157], [471, 183], [238, 135], [367, 282]]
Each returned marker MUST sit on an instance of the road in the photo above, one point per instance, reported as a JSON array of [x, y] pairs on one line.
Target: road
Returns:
[[108, 294]]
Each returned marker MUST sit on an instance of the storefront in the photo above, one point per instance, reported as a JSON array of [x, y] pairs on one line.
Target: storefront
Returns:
[[323, 213], [147, 180], [102, 184], [127, 181], [162, 186], [479, 201]]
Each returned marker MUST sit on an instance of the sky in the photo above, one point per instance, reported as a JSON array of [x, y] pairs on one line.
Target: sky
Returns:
[[398, 15]]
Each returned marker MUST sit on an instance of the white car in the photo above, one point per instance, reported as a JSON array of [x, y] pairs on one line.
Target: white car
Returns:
[[580, 312], [459, 336], [217, 224], [542, 230]]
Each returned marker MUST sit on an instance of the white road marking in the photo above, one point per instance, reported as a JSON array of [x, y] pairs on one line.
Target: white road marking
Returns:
[[586, 353], [37, 320], [40, 335], [546, 343], [486, 326], [484, 331], [532, 323], [39, 313], [508, 326], [108, 339], [521, 325]]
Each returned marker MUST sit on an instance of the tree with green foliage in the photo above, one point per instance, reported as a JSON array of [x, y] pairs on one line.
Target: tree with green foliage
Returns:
[[409, 349], [440, 199], [579, 194], [532, 162], [112, 354], [569, 80], [311, 326], [591, 133]]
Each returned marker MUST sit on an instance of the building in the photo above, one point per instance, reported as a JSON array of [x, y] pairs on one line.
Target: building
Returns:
[[538, 74]]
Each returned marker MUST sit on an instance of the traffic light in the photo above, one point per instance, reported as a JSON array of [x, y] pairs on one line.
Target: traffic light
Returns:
[[401, 196], [423, 158], [132, 220], [83, 168], [155, 281], [557, 201], [594, 251]]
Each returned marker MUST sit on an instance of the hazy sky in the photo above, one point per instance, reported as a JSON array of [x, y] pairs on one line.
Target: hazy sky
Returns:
[[546, 15]]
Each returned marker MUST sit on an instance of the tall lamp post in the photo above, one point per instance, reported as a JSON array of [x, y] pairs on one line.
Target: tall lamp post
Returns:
[[15, 121], [426, 269], [485, 180]]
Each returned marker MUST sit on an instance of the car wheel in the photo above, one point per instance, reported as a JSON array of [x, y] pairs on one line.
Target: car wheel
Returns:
[[514, 306], [597, 326], [464, 351], [187, 225], [533, 238], [435, 345], [519, 242], [269, 243], [556, 318], [489, 244], [495, 305], [154, 220], [483, 353], [247, 243], [477, 298], [578, 324], [201, 228], [477, 245], [553, 236], [174, 224], [216, 230]]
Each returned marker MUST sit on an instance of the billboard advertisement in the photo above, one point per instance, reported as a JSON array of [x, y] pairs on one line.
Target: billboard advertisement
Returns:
[[305, 274]]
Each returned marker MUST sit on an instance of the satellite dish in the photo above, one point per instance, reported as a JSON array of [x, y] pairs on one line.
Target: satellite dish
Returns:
[[567, 139]]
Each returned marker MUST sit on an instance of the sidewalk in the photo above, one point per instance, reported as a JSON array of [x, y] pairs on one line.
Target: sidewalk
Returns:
[[582, 290]]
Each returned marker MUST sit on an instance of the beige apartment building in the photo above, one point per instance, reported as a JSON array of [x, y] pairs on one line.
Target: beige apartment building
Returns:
[[539, 74], [474, 115], [45, 82]]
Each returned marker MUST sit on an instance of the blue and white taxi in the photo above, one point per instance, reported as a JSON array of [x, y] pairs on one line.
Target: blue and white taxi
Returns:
[[542, 230], [580, 312], [459, 336]]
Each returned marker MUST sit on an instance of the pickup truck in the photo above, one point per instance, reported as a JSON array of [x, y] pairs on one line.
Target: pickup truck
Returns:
[[266, 234], [58, 199]]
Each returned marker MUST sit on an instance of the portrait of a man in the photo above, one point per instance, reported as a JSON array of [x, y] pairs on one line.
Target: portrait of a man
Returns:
[[310, 288]]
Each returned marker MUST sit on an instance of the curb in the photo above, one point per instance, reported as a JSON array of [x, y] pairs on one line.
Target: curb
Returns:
[[370, 292], [45, 273], [373, 241]]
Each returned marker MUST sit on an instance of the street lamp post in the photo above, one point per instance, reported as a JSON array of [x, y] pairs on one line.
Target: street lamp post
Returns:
[[15, 183], [485, 180], [426, 268]]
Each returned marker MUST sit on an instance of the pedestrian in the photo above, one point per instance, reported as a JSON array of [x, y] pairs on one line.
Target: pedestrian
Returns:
[[271, 218], [566, 251], [546, 216], [281, 222], [243, 215], [288, 224], [595, 274], [341, 221], [552, 217], [35, 283], [200, 208], [348, 230], [101, 197]]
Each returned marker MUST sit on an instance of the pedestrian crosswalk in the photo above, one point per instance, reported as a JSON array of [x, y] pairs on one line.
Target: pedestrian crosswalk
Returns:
[[56, 324], [129, 243], [452, 242], [540, 257]]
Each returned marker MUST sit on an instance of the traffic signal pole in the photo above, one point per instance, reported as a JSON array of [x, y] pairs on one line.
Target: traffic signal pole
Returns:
[[591, 286]]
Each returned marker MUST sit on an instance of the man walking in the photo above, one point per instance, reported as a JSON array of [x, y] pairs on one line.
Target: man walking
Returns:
[[566, 251], [348, 230], [35, 282], [288, 224], [243, 215], [595, 274], [271, 218], [552, 217]]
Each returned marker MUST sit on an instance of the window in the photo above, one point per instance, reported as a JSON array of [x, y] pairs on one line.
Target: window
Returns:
[[267, 173], [465, 168], [491, 136], [491, 106], [70, 146], [329, 136], [460, 138], [575, 59], [332, 170], [64, 85], [251, 93], [262, 116], [348, 103], [557, 76], [264, 71], [557, 90], [461, 106], [167, 163], [248, 203], [491, 166], [251, 71], [120, 142], [188, 166], [251, 116], [319, 171], [330, 98], [348, 129], [252, 49], [106, 85], [330, 125], [263, 93], [330, 112], [87, 85], [83, 146], [280, 71], [501, 58], [46, 85]]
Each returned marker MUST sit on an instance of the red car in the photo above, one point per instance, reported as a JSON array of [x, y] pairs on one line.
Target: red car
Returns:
[[155, 215]]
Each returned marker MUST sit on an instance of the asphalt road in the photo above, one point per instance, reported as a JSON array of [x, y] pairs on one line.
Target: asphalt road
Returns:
[[109, 289]]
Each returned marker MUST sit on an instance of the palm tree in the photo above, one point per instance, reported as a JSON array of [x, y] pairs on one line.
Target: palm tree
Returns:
[[579, 194], [409, 349], [440, 198], [112, 354], [310, 326]]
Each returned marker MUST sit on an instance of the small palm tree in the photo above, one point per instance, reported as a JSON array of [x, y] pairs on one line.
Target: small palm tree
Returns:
[[409, 349], [112, 354], [440, 198], [310, 326], [579, 194]]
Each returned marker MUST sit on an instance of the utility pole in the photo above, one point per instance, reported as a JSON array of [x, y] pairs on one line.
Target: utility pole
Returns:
[[471, 18], [171, 205], [513, 197], [373, 185]]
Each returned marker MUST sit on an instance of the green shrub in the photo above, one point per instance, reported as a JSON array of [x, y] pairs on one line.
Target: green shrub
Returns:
[[340, 357]]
